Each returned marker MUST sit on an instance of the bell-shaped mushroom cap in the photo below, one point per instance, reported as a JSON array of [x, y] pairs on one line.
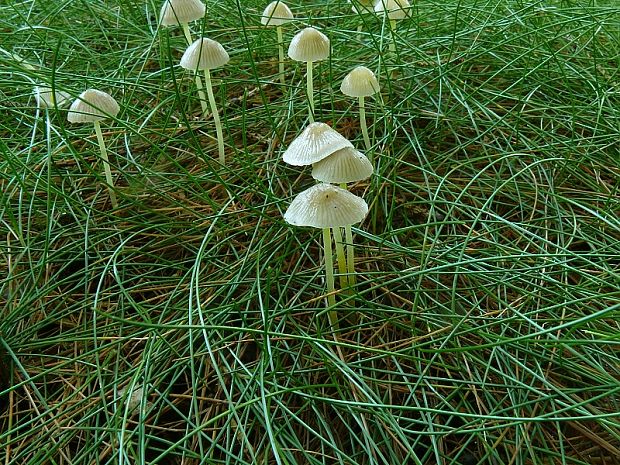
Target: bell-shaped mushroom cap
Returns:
[[309, 45], [326, 206], [361, 82], [46, 97], [204, 54], [316, 142], [342, 166], [174, 12], [276, 14], [395, 9], [92, 105]]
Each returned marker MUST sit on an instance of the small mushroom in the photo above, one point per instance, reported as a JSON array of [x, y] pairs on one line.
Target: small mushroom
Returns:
[[326, 206], [47, 97], [361, 82], [206, 54], [277, 14], [93, 106], [309, 45], [393, 10], [316, 142], [343, 166], [181, 13]]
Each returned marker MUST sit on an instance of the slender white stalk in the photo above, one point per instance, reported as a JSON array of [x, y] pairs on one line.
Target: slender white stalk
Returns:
[[348, 235], [216, 118], [365, 128], [310, 90], [342, 262], [199, 87], [280, 54], [392, 45], [329, 268], [106, 164]]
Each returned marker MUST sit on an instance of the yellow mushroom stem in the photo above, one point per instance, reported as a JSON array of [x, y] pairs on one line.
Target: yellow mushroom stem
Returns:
[[106, 164], [342, 262], [329, 269], [364, 127], [280, 54], [310, 90], [216, 118]]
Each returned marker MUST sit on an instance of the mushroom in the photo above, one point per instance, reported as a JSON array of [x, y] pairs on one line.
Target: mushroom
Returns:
[[182, 12], [92, 106], [48, 97], [309, 45], [393, 10], [361, 82], [341, 167], [276, 14], [206, 54], [326, 206], [316, 142]]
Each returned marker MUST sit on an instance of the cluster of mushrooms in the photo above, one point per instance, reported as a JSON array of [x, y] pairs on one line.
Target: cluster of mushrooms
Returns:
[[335, 162]]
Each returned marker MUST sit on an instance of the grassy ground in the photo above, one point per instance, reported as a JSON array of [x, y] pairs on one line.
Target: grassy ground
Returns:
[[485, 325]]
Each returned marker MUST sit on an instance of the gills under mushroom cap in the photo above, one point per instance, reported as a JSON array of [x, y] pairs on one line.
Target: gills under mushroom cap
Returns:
[[316, 142], [92, 105], [326, 206], [204, 54], [343, 166], [175, 12], [276, 14], [395, 9], [309, 45], [361, 82]]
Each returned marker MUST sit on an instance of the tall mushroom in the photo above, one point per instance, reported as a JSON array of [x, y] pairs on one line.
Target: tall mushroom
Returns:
[[309, 45], [276, 14], [92, 106], [206, 54], [181, 13], [341, 167], [361, 82], [325, 206], [393, 10]]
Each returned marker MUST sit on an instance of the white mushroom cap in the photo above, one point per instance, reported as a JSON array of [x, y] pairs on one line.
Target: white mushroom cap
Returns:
[[204, 54], [276, 14], [395, 9], [316, 142], [46, 97], [361, 82], [92, 105], [326, 206], [344, 165], [174, 12], [363, 6], [309, 45]]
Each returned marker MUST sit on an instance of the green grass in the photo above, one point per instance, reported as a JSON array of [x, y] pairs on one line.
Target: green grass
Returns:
[[485, 325]]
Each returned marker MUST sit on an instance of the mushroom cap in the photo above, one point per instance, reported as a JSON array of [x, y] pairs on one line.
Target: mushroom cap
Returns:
[[204, 54], [175, 12], [363, 6], [395, 9], [361, 82], [47, 97], [92, 105], [309, 45], [326, 206], [342, 166], [276, 14], [316, 142]]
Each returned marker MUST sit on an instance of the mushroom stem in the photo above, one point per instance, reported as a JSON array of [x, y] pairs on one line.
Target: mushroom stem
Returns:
[[392, 45], [364, 127], [329, 268], [280, 54], [216, 117], [199, 87], [310, 90], [342, 262], [106, 164]]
